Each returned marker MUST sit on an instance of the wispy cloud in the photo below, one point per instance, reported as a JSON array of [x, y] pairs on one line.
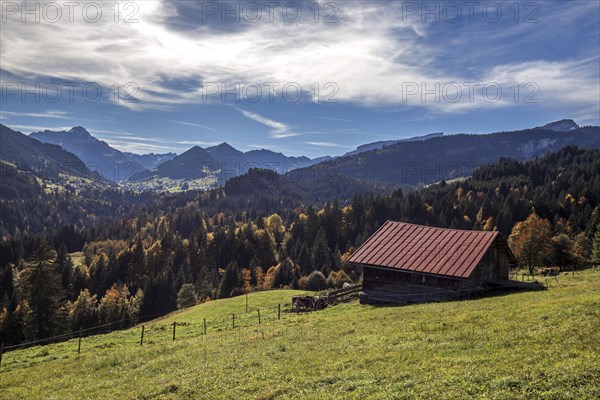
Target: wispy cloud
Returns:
[[134, 138], [369, 55], [197, 143], [109, 132], [334, 119], [323, 144], [48, 114], [36, 128], [275, 125], [193, 124], [143, 148], [279, 130]]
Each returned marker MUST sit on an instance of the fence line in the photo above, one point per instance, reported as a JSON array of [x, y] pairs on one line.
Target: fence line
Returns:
[[228, 320]]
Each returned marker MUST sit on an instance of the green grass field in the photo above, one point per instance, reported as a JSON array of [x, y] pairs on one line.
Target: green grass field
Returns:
[[522, 345]]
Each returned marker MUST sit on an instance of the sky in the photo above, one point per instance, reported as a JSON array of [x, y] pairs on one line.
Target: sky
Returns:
[[302, 78]]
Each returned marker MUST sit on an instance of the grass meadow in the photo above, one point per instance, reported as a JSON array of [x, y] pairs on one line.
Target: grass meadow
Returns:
[[543, 344]]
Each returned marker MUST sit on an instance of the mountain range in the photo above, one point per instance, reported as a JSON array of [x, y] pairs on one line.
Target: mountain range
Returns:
[[378, 166], [195, 163], [45, 160], [151, 160], [439, 158], [384, 143], [97, 154], [223, 161]]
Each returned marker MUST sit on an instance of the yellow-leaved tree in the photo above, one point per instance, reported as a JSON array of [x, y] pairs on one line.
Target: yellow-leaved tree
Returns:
[[530, 240]]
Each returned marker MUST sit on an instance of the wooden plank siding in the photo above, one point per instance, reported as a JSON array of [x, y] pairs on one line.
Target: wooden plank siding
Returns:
[[388, 285], [408, 263]]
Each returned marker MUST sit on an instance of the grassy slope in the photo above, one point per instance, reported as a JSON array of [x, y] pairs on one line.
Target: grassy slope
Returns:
[[523, 345]]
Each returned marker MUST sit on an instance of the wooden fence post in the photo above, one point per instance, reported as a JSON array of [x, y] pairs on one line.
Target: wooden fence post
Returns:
[[142, 338], [1, 351], [79, 345], [259, 316], [246, 303], [279, 311], [174, 324], [205, 326], [233, 320]]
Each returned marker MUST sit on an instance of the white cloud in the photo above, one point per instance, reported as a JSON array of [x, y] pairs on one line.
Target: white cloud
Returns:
[[333, 119], [193, 124], [279, 130], [275, 125], [371, 54], [35, 128], [143, 148], [48, 114], [324, 144], [197, 143]]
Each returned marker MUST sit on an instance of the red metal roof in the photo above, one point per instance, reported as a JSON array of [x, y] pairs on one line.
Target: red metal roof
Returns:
[[425, 249]]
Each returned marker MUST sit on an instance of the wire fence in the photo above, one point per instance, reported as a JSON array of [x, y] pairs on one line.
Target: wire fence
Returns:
[[250, 324], [253, 323]]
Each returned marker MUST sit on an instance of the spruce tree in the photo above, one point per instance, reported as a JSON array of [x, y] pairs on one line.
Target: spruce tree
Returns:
[[229, 281], [595, 259], [41, 288]]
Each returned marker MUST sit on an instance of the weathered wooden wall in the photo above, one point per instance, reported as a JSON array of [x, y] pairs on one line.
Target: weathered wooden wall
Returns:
[[386, 285], [390, 286]]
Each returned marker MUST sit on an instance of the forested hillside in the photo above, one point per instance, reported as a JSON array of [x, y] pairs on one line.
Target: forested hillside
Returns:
[[43, 159], [447, 157], [261, 232]]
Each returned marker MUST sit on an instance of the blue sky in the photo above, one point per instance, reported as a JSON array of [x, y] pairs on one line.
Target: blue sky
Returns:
[[385, 70]]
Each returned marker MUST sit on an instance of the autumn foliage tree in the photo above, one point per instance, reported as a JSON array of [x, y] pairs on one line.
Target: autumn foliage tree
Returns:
[[530, 240], [84, 311], [119, 307]]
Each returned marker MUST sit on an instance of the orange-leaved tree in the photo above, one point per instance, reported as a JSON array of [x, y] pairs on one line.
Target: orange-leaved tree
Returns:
[[530, 240]]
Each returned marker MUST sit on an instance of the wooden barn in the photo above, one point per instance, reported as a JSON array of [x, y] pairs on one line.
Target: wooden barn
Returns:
[[407, 263]]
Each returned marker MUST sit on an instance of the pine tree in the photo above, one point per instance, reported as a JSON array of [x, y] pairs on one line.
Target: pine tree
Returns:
[[6, 282], [284, 274], [595, 259], [321, 258], [229, 281], [137, 266], [41, 288]]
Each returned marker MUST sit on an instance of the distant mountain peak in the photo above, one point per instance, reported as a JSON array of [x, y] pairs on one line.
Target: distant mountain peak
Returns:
[[195, 149], [563, 125], [78, 129], [384, 143], [222, 146], [108, 161], [224, 151]]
